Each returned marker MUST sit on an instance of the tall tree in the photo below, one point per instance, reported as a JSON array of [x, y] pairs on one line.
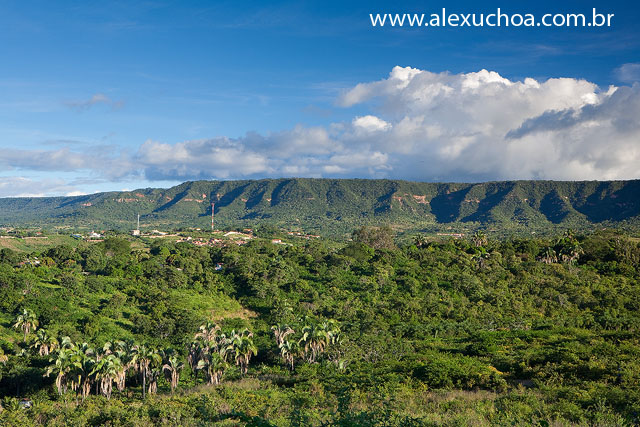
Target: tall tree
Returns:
[[125, 350], [194, 355], [144, 359], [172, 367], [82, 363], [548, 256], [242, 348], [44, 343], [107, 371], [27, 321], [61, 365], [479, 239], [316, 338], [214, 365], [288, 351], [280, 332]]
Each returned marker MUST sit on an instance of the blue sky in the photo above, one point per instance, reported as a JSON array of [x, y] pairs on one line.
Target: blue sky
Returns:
[[99, 96]]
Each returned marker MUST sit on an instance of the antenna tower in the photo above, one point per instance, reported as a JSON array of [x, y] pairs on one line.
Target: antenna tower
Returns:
[[213, 205]]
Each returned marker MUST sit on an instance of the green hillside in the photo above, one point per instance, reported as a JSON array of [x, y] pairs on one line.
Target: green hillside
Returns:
[[334, 207]]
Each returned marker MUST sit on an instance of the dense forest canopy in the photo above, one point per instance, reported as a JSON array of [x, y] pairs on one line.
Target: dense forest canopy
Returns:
[[311, 332]]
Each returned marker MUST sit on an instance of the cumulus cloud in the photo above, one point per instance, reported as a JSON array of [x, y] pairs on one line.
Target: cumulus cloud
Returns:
[[96, 99], [416, 125], [370, 124], [480, 126]]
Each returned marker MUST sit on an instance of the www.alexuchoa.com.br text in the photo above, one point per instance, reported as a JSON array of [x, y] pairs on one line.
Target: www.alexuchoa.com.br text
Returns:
[[495, 19]]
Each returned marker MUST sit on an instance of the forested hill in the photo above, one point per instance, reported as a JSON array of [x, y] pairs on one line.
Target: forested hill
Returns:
[[334, 207]]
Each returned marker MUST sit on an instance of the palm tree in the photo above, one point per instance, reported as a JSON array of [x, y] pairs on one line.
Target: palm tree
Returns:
[[154, 374], [124, 350], [207, 339], [144, 358], [242, 348], [571, 251], [216, 341], [314, 341], [332, 331], [74, 367], [548, 256], [107, 349], [568, 247], [66, 343], [172, 367], [420, 241], [100, 354], [479, 238], [62, 366], [27, 321], [280, 332], [44, 343], [208, 332], [194, 356], [83, 361], [481, 258], [214, 366], [316, 338], [107, 371], [288, 351]]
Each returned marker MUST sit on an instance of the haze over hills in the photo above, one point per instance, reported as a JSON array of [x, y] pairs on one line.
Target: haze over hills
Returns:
[[334, 207]]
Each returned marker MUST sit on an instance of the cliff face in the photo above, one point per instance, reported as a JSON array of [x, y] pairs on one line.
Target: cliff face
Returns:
[[329, 205]]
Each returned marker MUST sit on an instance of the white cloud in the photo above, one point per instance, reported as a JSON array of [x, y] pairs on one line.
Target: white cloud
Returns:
[[370, 124], [103, 160], [301, 151], [479, 126], [629, 73], [17, 186], [220, 157]]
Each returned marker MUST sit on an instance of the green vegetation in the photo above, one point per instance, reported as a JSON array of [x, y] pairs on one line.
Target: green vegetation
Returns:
[[334, 208], [525, 331]]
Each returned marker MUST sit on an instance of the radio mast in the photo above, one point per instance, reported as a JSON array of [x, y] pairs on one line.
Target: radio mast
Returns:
[[136, 232], [213, 206]]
